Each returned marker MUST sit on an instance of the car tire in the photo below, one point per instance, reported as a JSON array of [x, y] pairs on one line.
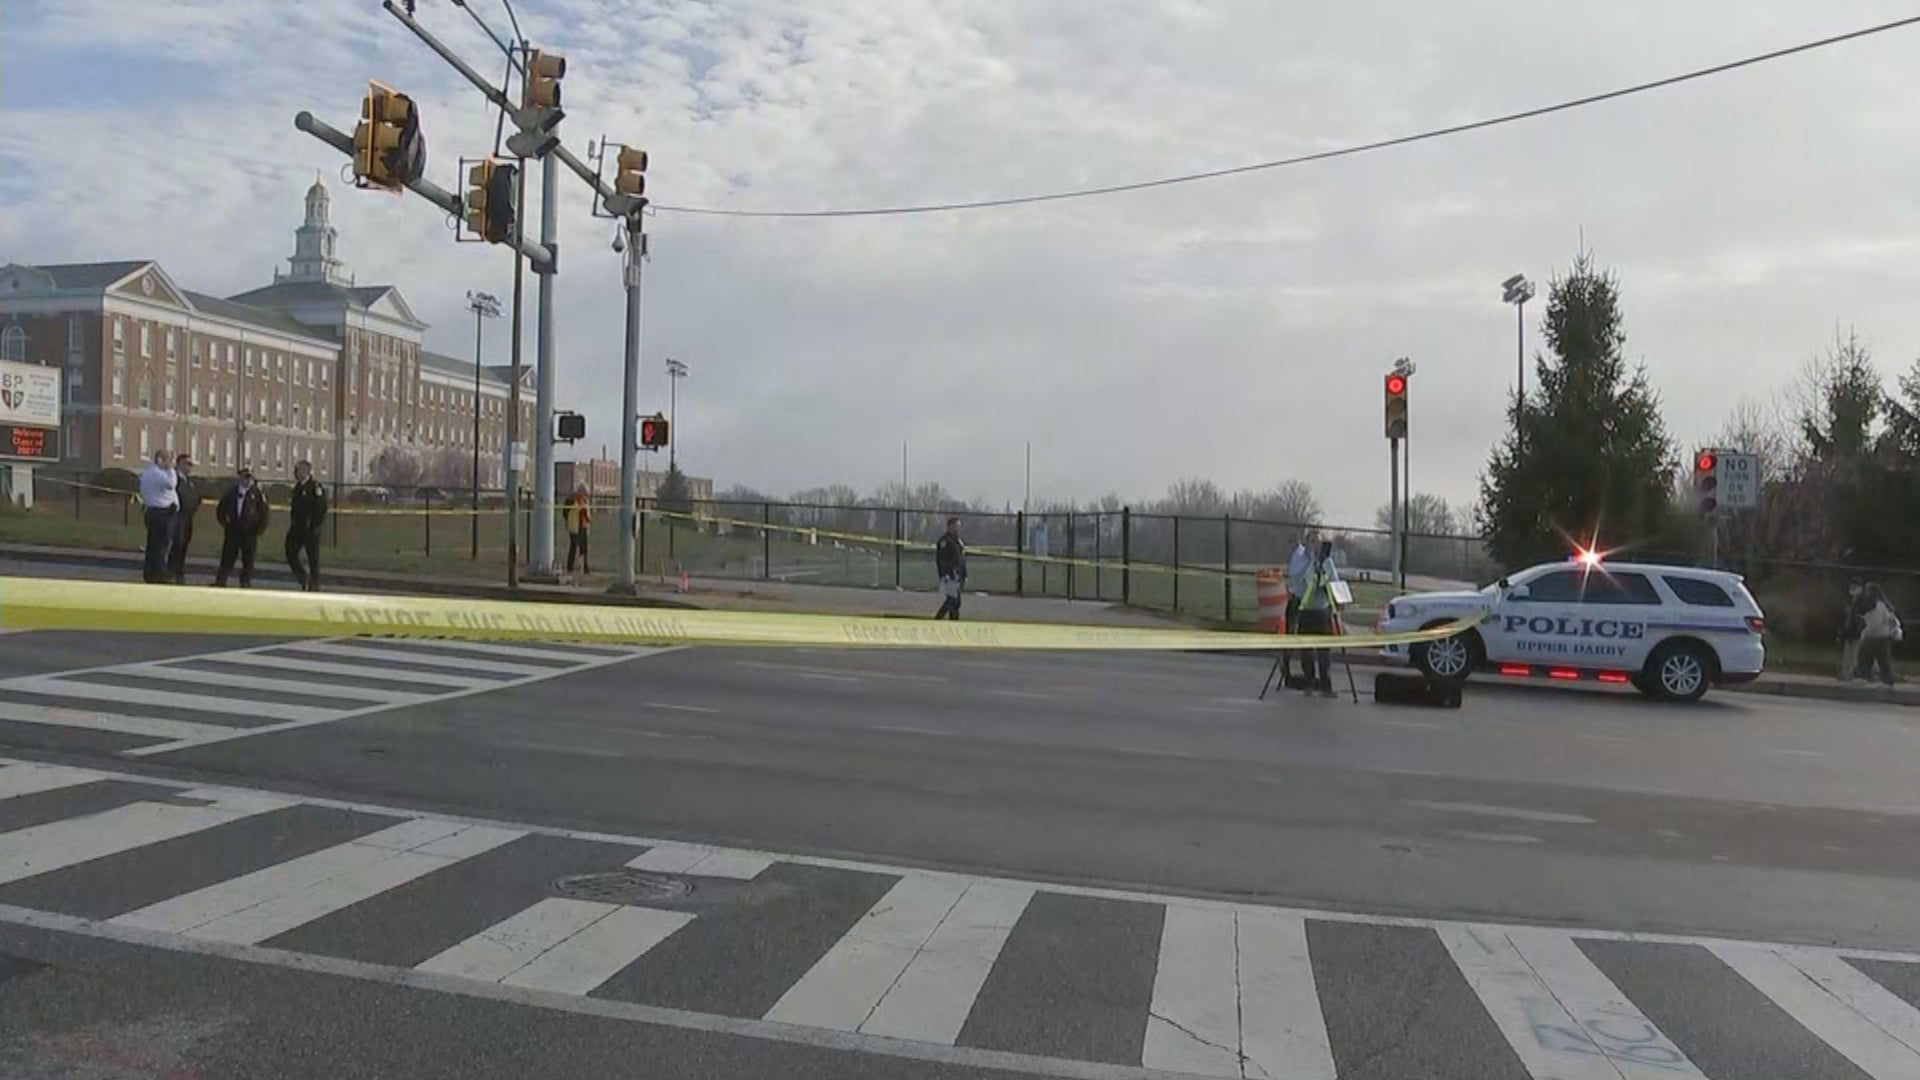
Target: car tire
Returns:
[[1450, 660], [1678, 671]]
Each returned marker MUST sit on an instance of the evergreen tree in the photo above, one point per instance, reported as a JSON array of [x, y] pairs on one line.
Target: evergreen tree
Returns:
[[1587, 455], [674, 496]]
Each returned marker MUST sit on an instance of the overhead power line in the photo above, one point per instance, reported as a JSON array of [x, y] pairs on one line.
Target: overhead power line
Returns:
[[1304, 159]]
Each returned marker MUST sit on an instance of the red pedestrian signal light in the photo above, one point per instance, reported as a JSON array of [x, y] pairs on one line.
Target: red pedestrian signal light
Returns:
[[653, 432], [1396, 406]]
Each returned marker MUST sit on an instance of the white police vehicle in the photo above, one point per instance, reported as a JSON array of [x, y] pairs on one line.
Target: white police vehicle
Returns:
[[1669, 631]]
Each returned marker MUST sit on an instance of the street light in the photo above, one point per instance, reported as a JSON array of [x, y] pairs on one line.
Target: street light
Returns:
[[1517, 290], [484, 306], [675, 372]]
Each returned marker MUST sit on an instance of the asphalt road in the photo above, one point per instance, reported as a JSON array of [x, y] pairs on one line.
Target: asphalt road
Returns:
[[257, 858]]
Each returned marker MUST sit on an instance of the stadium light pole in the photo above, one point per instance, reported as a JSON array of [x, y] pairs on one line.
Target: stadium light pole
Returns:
[[484, 306], [1517, 290], [675, 372]]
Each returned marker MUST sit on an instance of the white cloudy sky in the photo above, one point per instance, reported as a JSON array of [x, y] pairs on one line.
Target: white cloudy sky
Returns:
[[1234, 329]]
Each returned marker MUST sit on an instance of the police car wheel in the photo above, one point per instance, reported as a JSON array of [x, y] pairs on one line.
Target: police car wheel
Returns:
[[1449, 660], [1680, 671]]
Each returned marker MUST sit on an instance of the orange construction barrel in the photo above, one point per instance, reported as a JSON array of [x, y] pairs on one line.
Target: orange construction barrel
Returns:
[[1271, 587]]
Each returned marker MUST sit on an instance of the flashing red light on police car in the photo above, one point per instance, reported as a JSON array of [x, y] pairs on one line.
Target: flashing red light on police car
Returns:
[[1586, 557]]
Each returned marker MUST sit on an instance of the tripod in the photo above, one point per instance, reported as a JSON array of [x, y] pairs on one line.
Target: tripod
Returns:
[[1339, 630]]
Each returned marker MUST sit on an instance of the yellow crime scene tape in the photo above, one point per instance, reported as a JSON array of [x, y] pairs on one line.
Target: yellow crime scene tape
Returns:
[[121, 607]]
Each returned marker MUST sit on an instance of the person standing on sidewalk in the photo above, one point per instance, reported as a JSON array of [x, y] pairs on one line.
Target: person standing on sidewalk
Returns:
[[306, 510], [1316, 617], [188, 491], [578, 514], [1299, 569], [1880, 629], [242, 513], [950, 562], [160, 498], [1852, 624]]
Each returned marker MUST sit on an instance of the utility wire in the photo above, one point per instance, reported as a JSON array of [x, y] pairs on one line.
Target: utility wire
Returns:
[[1304, 159]]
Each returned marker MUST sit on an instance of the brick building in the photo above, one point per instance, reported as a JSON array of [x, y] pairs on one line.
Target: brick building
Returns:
[[311, 366]]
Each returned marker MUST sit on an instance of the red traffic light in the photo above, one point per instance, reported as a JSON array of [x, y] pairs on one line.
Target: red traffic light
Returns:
[[1396, 385], [1705, 462]]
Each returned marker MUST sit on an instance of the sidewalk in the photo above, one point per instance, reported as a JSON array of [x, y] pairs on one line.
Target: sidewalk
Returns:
[[722, 594]]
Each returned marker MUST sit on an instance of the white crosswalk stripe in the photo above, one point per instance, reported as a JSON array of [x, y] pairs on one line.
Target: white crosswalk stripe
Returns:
[[1237, 990], [293, 684], [1844, 1008]]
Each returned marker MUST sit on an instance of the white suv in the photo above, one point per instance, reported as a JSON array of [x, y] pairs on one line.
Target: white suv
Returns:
[[1670, 631]]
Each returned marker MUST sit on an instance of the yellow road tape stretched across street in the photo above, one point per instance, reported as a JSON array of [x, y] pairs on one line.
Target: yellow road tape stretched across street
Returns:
[[53, 604]]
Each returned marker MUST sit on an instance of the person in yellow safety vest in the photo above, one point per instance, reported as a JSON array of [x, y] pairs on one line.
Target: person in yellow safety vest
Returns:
[[578, 514], [1316, 617]]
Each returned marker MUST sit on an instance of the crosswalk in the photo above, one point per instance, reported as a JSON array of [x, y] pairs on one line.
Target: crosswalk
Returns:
[[1049, 979], [159, 706]]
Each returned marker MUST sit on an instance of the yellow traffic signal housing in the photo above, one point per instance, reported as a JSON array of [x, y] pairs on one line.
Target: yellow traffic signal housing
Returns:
[[388, 149], [631, 175], [544, 72], [490, 200]]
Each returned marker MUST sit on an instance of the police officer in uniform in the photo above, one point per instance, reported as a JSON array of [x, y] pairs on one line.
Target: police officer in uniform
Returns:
[[242, 515], [305, 511]]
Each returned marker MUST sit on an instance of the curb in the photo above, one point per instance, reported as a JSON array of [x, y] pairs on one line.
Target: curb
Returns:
[[374, 583]]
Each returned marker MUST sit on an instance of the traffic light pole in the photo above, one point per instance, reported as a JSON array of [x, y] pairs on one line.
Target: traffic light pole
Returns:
[[540, 558], [1393, 508], [513, 398], [630, 409]]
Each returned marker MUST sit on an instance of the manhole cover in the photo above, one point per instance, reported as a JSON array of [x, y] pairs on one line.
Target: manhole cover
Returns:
[[623, 887]]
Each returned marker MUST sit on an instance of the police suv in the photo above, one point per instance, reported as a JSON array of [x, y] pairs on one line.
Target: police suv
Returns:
[[1669, 631]]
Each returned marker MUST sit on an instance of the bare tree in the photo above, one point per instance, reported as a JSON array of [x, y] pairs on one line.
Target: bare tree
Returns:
[[395, 468]]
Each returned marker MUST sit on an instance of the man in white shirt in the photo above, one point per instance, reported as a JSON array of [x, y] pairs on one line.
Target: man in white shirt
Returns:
[[160, 494], [1299, 569]]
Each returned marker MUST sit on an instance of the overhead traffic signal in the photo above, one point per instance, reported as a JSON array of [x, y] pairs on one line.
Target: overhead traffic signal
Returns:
[[653, 432], [544, 72], [491, 187], [388, 149], [1396, 387], [630, 177], [1706, 481]]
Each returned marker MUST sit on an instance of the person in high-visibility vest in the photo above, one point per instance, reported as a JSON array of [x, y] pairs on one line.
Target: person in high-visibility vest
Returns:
[[1316, 617], [578, 514]]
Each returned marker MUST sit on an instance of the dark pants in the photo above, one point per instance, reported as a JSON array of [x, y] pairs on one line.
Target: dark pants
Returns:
[[1319, 662], [1876, 653], [307, 542], [1293, 627], [182, 540], [577, 542], [159, 543], [241, 546], [950, 606]]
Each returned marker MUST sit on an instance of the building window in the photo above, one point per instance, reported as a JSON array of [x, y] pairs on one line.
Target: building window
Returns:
[[169, 341], [280, 364], [146, 340], [325, 379], [229, 455], [119, 335], [170, 406], [280, 413], [119, 383], [13, 344], [193, 401], [249, 360], [230, 360], [145, 400], [226, 406], [195, 443], [146, 442], [354, 465], [119, 440]]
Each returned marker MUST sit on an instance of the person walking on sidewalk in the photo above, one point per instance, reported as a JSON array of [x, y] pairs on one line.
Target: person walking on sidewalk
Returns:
[[242, 515], [160, 499], [188, 491], [950, 562], [1316, 617], [578, 515], [306, 509], [1880, 629]]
